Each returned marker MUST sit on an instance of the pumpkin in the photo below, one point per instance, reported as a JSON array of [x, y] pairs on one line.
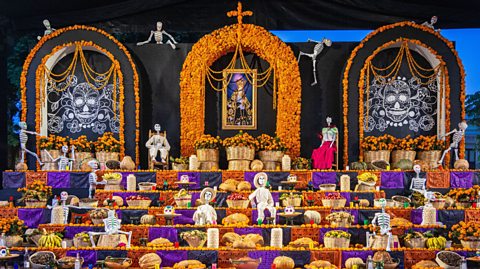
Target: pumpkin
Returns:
[[363, 203], [461, 164], [127, 163], [358, 166], [236, 218], [244, 186], [149, 261], [148, 219], [284, 262], [403, 164], [312, 215], [350, 262]]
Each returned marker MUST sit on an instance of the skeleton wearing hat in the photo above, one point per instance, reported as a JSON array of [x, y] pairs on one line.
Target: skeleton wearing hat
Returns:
[[205, 213], [263, 197]]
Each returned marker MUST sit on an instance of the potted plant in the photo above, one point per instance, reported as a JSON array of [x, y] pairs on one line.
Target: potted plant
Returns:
[[107, 148], [35, 194], [240, 150], [404, 148], [50, 147], [83, 150], [336, 239], [207, 150], [179, 163], [377, 148], [429, 149], [271, 151], [468, 233], [464, 197], [414, 239], [12, 229]]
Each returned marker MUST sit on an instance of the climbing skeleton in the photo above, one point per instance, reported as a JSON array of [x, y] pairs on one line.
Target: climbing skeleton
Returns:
[[431, 23], [49, 29], [63, 160], [383, 221], [316, 51], [456, 138], [112, 227], [158, 35], [23, 137]]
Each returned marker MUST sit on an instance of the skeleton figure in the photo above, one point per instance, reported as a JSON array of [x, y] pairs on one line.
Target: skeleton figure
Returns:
[[456, 138], [49, 29], [263, 197], [63, 161], [169, 210], [23, 137], [316, 51], [64, 197], [289, 210], [92, 178], [206, 214], [112, 226], [158, 35], [430, 24], [158, 143], [418, 184], [383, 221]]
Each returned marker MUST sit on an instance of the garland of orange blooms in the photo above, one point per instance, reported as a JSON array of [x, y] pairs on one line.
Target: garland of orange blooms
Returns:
[[362, 44], [39, 80], [254, 39], [56, 33], [366, 68]]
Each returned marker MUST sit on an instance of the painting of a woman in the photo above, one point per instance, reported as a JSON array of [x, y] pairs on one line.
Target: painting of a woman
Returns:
[[239, 102]]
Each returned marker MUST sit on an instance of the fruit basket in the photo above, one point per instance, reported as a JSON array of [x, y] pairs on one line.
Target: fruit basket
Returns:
[[138, 201], [42, 259]]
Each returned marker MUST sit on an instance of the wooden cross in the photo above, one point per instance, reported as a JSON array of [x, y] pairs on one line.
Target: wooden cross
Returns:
[[239, 13]]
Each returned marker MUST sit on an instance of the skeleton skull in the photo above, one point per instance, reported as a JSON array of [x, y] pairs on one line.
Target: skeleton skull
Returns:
[[157, 127], [289, 210], [208, 196], [261, 180], [184, 179], [292, 178], [169, 210], [85, 103], [417, 168], [397, 100]]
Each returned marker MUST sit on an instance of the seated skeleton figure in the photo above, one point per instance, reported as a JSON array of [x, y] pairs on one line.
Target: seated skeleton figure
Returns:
[[206, 214], [112, 227], [156, 144]]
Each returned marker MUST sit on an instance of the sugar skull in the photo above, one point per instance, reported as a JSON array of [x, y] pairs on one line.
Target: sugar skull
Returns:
[[85, 103], [396, 100], [292, 178], [64, 195], [289, 210], [184, 179], [169, 210]]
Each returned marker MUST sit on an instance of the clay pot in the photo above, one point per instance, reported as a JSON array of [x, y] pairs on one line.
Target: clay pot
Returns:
[[127, 163]]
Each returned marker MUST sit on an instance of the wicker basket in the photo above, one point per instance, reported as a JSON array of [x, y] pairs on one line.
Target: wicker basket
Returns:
[[327, 187], [208, 166], [113, 185], [208, 155], [337, 203], [292, 201], [398, 155], [146, 186], [35, 203], [416, 243], [179, 166], [240, 153], [79, 157], [439, 203], [380, 241], [271, 165], [237, 203], [39, 266], [471, 244], [343, 223], [78, 242], [431, 157], [370, 156], [97, 221], [183, 201], [139, 203], [335, 242], [13, 240], [239, 165], [270, 156]]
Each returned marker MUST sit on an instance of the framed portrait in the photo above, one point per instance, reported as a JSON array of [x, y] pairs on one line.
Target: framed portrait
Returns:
[[239, 99]]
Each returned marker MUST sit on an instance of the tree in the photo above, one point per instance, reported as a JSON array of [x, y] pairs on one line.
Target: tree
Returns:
[[472, 108]]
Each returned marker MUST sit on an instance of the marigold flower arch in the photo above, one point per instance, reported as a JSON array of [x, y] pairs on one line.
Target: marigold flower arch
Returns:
[[254, 39]]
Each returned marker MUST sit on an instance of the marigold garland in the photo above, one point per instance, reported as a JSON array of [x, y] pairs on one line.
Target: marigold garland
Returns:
[[254, 39], [56, 33], [362, 44]]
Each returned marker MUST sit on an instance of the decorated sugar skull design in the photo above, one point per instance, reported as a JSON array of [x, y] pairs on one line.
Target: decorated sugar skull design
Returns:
[[3, 252], [184, 179], [85, 103], [289, 210], [398, 102], [292, 178], [169, 210]]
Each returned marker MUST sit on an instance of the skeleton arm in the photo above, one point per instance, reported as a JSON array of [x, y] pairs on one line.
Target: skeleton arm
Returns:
[[50, 156], [449, 133], [170, 36], [146, 41], [166, 144], [311, 40], [31, 132], [149, 143]]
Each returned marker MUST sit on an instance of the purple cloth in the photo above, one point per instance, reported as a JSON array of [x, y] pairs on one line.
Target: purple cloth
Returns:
[[250, 230], [354, 254], [185, 218], [461, 179], [391, 180], [58, 180], [71, 231], [89, 256], [31, 216], [416, 216], [171, 257], [324, 178], [193, 177], [169, 233], [275, 196], [353, 212], [323, 231], [13, 180], [267, 214], [248, 176], [267, 257], [195, 196], [119, 213]]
